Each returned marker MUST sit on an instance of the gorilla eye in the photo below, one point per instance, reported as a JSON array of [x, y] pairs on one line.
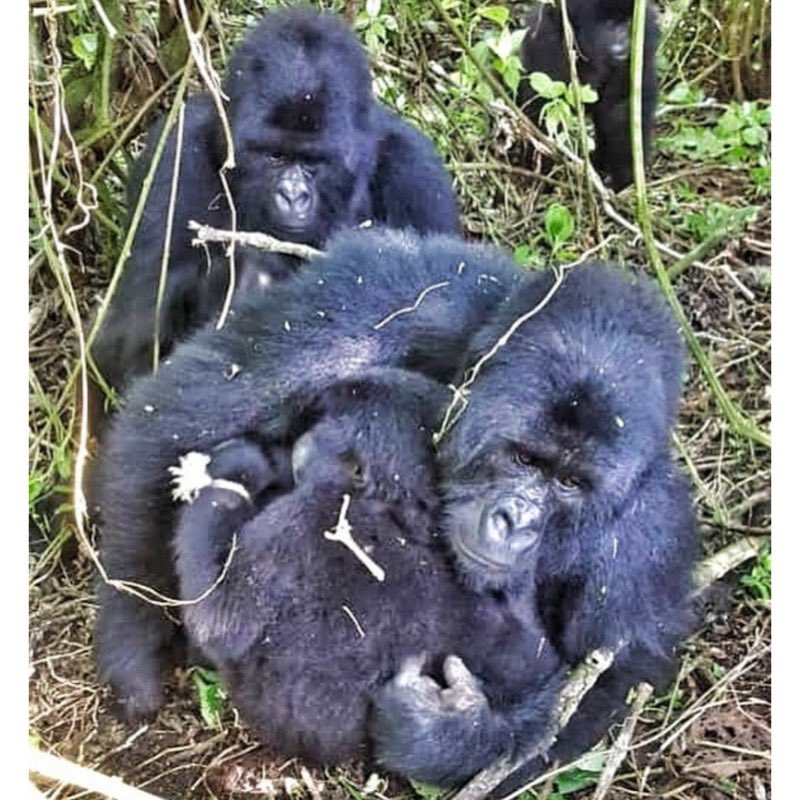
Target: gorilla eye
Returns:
[[275, 159], [571, 483], [356, 471], [524, 458]]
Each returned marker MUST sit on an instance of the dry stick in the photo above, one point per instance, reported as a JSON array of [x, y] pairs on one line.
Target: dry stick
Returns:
[[582, 679], [723, 561], [408, 309], [739, 423], [64, 771], [162, 279], [261, 241], [343, 533], [618, 751], [461, 393]]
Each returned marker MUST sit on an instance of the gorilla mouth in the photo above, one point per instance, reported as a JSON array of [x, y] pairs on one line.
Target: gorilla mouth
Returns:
[[466, 553]]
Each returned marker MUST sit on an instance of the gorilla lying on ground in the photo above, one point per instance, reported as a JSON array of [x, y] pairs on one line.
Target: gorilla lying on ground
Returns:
[[304, 634], [603, 38], [563, 498], [314, 153], [378, 298]]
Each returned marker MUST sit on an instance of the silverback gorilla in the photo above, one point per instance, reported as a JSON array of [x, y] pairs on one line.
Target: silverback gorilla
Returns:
[[378, 298], [304, 634], [602, 34], [562, 502], [314, 153]]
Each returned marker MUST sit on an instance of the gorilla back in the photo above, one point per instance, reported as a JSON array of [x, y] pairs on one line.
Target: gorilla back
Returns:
[[314, 153]]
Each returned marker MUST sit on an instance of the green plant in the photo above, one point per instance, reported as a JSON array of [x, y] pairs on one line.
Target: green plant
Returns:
[[210, 696], [558, 115], [759, 579], [739, 137]]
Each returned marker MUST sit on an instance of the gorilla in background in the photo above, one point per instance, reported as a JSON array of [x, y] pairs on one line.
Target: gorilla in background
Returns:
[[302, 632], [378, 298], [562, 497], [602, 34], [314, 153]]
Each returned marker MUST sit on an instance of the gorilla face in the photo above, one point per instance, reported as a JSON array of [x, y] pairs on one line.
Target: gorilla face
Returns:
[[561, 424], [299, 111]]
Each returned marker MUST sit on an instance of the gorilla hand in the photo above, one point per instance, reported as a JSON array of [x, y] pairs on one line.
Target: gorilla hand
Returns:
[[415, 718]]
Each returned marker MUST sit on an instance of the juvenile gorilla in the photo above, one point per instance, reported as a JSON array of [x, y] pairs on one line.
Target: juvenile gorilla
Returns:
[[304, 634], [377, 299], [602, 34], [314, 153], [563, 498]]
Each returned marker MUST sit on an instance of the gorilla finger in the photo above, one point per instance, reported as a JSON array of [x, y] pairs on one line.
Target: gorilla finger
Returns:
[[458, 677], [410, 670]]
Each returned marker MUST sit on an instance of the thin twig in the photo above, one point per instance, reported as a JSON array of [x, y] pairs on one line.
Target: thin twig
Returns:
[[408, 309], [343, 533], [162, 279], [460, 399], [261, 241]]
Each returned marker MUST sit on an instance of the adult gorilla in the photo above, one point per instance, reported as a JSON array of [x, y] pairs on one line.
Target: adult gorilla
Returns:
[[314, 153], [378, 298], [563, 497]]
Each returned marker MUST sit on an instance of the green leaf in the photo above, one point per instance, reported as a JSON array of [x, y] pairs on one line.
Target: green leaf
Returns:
[[373, 8], [209, 696], [512, 73], [545, 86], [84, 47], [558, 225], [497, 14]]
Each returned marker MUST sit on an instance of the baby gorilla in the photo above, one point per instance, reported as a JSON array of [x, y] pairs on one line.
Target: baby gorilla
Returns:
[[305, 630]]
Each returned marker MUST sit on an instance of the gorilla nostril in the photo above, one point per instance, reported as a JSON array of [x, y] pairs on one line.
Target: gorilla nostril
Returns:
[[500, 525]]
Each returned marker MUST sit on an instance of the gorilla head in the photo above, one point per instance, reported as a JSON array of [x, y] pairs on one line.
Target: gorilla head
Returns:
[[300, 114], [582, 400]]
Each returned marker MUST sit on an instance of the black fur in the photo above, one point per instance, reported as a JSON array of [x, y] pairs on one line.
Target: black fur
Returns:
[[257, 378], [602, 34], [314, 153], [304, 635], [561, 491]]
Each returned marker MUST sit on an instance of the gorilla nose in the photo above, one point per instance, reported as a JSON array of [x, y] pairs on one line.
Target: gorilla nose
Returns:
[[511, 518], [293, 197]]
